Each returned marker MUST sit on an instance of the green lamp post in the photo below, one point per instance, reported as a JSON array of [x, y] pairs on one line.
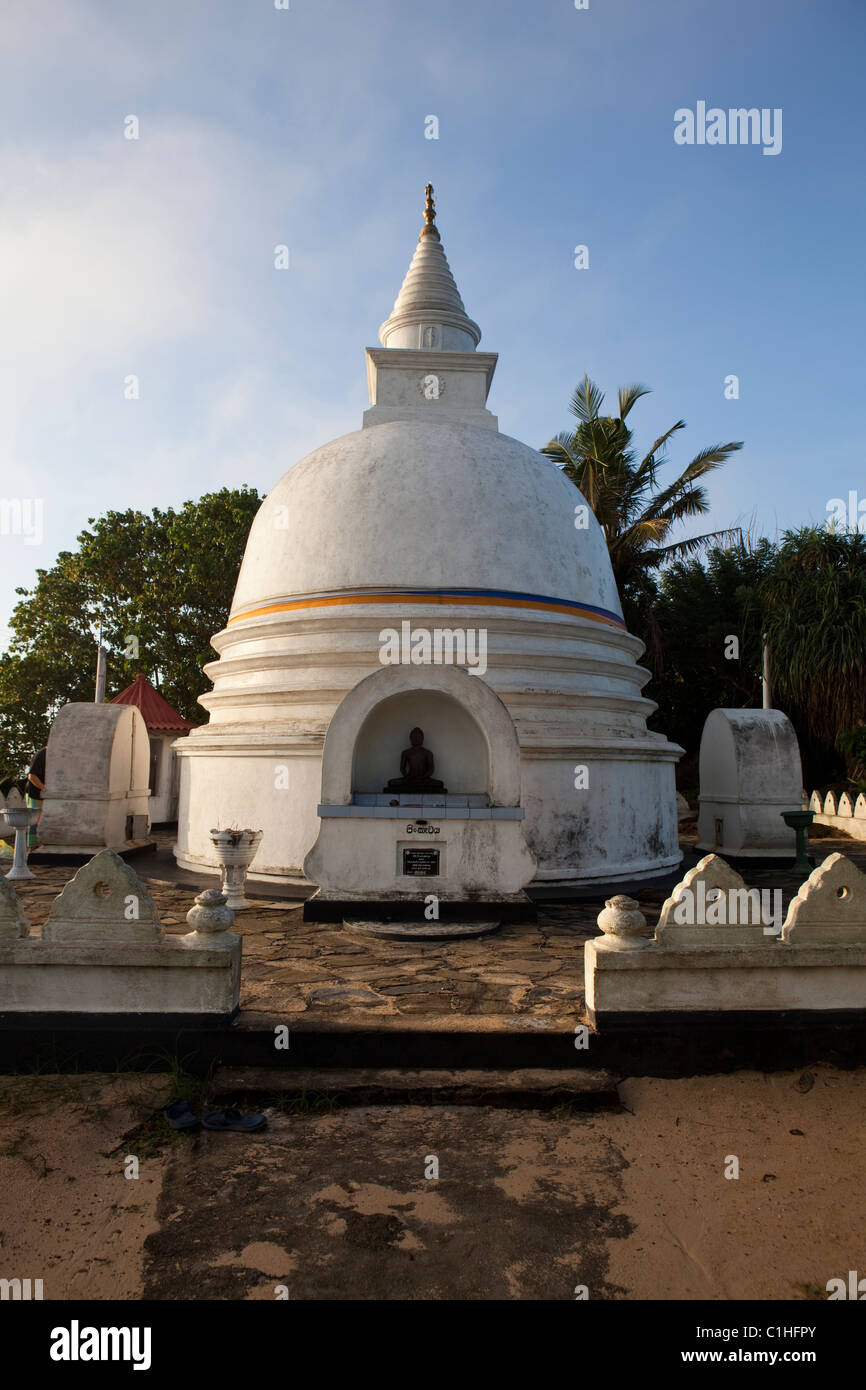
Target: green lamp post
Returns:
[[799, 822]]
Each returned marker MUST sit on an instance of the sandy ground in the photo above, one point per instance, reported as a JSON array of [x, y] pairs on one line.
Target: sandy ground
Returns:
[[632, 1203], [68, 1215]]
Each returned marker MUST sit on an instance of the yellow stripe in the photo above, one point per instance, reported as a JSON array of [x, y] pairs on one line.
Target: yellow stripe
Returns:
[[448, 600]]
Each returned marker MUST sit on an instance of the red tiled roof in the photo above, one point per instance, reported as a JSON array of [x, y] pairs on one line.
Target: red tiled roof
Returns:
[[157, 713]]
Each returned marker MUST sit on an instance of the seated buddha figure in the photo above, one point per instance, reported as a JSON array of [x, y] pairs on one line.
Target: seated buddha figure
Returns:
[[416, 768]]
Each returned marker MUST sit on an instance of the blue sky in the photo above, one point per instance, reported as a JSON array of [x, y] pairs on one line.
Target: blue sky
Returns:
[[306, 127]]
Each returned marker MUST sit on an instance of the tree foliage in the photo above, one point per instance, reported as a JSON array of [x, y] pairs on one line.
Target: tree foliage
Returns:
[[699, 606], [807, 597], [636, 512], [164, 579], [807, 594], [814, 602]]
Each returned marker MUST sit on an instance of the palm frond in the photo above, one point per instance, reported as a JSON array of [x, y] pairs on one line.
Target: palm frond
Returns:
[[586, 401], [637, 515], [628, 395], [650, 462], [559, 449], [695, 543], [716, 454]]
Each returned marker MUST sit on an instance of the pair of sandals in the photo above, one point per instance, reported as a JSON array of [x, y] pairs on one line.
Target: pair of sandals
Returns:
[[181, 1115]]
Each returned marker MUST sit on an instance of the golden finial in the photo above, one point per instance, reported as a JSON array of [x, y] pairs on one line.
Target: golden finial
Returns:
[[429, 228]]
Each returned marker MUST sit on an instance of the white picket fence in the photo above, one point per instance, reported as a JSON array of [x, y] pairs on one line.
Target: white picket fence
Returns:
[[840, 813]]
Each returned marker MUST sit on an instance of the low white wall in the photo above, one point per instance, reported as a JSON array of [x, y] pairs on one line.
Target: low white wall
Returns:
[[840, 813], [668, 980], [172, 976], [710, 954], [103, 950]]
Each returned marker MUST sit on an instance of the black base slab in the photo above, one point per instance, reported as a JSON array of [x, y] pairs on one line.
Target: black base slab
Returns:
[[674, 1046], [385, 910], [126, 1023], [597, 890], [715, 1023]]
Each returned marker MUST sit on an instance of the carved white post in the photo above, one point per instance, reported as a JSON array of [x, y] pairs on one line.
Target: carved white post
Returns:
[[236, 850], [211, 913], [623, 924]]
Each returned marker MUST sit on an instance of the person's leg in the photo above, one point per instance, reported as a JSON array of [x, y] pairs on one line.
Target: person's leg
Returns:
[[31, 832]]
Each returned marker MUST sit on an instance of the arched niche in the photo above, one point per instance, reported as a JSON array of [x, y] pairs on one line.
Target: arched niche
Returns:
[[461, 716], [453, 736]]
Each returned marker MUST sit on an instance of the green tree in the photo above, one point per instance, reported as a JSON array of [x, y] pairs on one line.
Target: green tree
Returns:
[[635, 511], [158, 584], [701, 604], [814, 601], [808, 597]]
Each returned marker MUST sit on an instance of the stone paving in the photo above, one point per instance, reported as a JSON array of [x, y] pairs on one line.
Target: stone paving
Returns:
[[528, 972]]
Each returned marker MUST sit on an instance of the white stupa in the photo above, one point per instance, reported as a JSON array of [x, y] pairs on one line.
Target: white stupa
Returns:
[[429, 516]]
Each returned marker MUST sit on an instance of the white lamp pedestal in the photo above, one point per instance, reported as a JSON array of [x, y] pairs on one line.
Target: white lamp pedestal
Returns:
[[20, 818], [236, 850]]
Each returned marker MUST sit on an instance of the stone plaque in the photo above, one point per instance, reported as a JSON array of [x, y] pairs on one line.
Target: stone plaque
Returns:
[[421, 863]]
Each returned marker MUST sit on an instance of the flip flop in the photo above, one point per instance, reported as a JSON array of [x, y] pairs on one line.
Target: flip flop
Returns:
[[233, 1119], [181, 1115]]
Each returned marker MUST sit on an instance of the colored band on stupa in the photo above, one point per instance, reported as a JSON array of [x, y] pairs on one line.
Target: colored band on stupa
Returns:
[[484, 598]]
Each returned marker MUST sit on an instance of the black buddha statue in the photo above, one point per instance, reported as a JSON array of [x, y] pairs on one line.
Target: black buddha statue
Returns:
[[416, 767]]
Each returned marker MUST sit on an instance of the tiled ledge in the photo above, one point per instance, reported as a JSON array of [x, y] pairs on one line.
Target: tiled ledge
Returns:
[[427, 799], [416, 812]]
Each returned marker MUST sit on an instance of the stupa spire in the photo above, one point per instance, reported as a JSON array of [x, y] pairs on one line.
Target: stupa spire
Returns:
[[428, 312], [429, 228]]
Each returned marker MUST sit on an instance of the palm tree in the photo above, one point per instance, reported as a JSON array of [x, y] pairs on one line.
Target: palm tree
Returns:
[[636, 515]]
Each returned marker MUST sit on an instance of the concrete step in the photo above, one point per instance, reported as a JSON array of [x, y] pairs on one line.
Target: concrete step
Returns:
[[527, 1088], [421, 931]]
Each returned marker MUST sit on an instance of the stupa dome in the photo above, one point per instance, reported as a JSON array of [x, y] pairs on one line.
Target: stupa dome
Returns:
[[426, 519], [426, 505]]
